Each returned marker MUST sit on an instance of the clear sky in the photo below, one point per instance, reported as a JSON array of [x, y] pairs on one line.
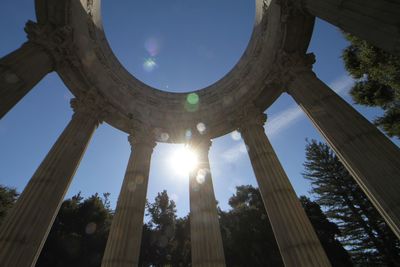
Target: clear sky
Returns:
[[173, 45]]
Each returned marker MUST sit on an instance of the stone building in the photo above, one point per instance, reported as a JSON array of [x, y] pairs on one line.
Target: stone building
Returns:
[[68, 38]]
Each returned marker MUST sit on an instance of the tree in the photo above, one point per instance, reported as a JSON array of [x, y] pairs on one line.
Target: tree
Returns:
[[246, 231], [162, 226], [326, 232], [8, 196], [363, 230], [378, 81], [181, 248], [79, 234]]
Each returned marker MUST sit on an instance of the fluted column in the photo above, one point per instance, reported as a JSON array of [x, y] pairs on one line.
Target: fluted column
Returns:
[[296, 238], [22, 69], [26, 227], [371, 158], [205, 232], [376, 21], [123, 244]]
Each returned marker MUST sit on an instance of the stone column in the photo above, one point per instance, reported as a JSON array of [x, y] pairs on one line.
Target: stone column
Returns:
[[22, 69], [26, 227], [371, 158], [124, 240], [296, 238], [205, 233], [377, 22]]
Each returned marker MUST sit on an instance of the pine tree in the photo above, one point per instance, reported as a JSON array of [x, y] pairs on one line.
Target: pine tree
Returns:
[[246, 232], [378, 81], [327, 233], [363, 230], [79, 233], [162, 224], [8, 196]]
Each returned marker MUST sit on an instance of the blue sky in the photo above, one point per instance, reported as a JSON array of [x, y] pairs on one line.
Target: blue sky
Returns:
[[174, 45]]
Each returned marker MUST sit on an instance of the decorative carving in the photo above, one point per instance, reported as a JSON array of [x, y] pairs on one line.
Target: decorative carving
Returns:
[[91, 104], [58, 42], [141, 134], [290, 65], [290, 7], [250, 117], [89, 7], [200, 142]]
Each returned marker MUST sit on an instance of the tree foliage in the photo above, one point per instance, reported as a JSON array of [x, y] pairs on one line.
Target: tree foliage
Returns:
[[362, 229], [160, 233], [8, 196], [378, 81], [327, 233], [79, 233], [247, 234]]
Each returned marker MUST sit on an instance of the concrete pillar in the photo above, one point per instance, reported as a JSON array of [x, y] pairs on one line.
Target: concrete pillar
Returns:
[[377, 22], [371, 158], [26, 227], [205, 233], [124, 240], [20, 71], [296, 238]]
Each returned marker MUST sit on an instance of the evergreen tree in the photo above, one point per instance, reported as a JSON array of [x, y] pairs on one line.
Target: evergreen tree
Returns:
[[181, 249], [246, 232], [162, 224], [8, 196], [327, 232], [79, 234], [378, 81], [363, 231]]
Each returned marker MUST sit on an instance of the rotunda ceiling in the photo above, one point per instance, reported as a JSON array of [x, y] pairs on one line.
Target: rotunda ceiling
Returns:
[[255, 80]]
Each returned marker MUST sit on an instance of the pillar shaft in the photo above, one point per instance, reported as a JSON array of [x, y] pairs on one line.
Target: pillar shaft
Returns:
[[20, 71], [124, 240], [26, 227], [205, 233], [296, 238], [377, 22], [371, 158]]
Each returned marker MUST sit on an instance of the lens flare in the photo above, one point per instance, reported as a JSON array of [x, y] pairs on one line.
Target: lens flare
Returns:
[[201, 127], [149, 64], [236, 135], [192, 98], [152, 46], [192, 102]]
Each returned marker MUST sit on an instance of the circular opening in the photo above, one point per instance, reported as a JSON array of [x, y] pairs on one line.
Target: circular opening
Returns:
[[178, 45]]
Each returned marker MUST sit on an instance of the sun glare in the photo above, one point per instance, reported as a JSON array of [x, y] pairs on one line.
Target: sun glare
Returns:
[[184, 160]]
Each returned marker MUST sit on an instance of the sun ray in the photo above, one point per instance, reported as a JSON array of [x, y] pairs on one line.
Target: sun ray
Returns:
[[183, 160]]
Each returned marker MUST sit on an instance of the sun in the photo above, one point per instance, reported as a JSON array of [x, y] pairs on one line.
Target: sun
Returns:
[[184, 160]]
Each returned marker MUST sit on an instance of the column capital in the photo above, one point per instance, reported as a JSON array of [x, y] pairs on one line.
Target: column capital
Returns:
[[290, 66], [288, 7], [295, 63], [250, 117], [141, 134], [56, 41], [92, 105], [200, 142]]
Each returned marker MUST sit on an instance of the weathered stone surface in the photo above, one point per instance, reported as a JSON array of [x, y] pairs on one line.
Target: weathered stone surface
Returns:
[[296, 238], [377, 22], [26, 227], [371, 158], [70, 39], [123, 245], [205, 233], [18, 77]]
